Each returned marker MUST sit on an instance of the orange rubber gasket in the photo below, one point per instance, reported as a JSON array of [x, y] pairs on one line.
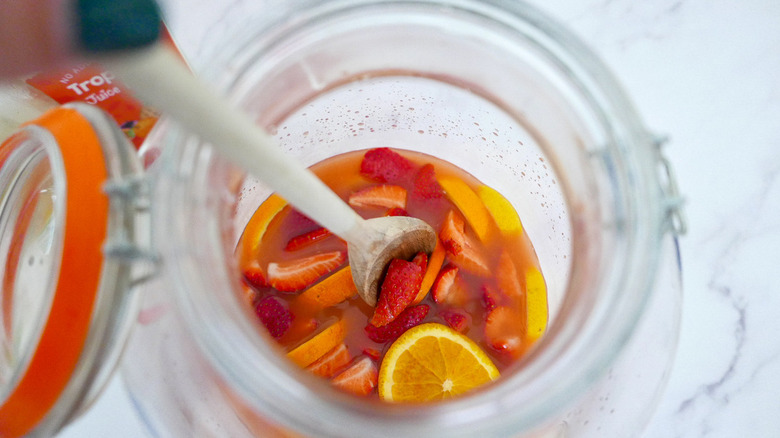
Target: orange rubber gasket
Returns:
[[65, 332]]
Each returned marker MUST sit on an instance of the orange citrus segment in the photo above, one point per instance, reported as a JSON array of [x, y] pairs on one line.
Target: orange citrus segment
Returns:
[[331, 362], [536, 299], [316, 347], [433, 362], [468, 203], [434, 265], [501, 209], [329, 292], [255, 229]]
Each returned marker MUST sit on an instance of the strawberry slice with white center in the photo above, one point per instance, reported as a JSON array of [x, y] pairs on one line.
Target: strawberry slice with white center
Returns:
[[360, 379], [383, 195], [297, 274], [505, 330], [444, 284], [463, 250]]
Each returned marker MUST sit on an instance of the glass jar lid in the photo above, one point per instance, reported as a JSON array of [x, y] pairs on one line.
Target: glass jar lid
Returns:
[[64, 233]]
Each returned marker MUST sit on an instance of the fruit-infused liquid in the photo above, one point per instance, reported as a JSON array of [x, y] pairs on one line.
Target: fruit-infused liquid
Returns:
[[478, 300]]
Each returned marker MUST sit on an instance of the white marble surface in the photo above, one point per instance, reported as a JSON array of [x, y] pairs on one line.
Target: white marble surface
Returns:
[[707, 73]]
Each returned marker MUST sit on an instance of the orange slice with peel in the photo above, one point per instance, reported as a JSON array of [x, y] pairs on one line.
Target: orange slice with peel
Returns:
[[332, 290], [331, 362], [432, 362], [536, 301], [258, 224], [316, 347], [469, 204], [502, 211], [434, 265]]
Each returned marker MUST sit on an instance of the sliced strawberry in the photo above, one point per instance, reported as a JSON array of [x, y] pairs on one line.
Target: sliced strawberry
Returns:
[[504, 330], [421, 260], [306, 239], [395, 211], [453, 232], [455, 318], [373, 353], [295, 275], [444, 283], [385, 165], [425, 184], [463, 250], [332, 362], [399, 288], [255, 277], [274, 315], [507, 277], [383, 195], [406, 320], [472, 258], [360, 378], [300, 221], [489, 299]]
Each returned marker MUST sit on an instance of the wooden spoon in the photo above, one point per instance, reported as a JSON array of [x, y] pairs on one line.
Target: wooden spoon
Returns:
[[158, 78]]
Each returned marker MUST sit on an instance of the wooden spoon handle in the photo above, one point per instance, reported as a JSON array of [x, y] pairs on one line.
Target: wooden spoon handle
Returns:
[[158, 78]]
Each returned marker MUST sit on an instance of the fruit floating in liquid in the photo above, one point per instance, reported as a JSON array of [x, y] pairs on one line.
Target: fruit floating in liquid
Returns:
[[445, 323]]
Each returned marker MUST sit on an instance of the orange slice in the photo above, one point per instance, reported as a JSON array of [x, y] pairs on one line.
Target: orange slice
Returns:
[[316, 347], [329, 292], [255, 229], [331, 362], [536, 299], [502, 211], [468, 203], [433, 362], [434, 265]]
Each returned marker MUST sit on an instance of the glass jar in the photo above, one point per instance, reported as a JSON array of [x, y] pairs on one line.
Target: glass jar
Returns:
[[493, 87]]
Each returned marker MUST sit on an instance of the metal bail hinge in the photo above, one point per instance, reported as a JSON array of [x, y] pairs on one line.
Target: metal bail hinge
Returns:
[[130, 236], [673, 201]]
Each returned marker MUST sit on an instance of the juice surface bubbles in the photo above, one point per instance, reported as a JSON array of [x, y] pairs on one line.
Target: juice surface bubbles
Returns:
[[479, 295]]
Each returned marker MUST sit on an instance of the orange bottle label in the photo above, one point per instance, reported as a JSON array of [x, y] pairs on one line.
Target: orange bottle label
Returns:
[[92, 84]]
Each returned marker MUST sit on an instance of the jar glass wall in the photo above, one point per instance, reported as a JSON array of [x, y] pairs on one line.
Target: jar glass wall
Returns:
[[498, 90]]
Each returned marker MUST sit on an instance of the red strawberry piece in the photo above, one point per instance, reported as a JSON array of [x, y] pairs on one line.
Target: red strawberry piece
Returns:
[[425, 184], [406, 320], [472, 258], [385, 165], [453, 233], [395, 211], [306, 239], [295, 275], [360, 378], [489, 299], [504, 330], [274, 315], [400, 286], [444, 283], [255, 277], [421, 260], [464, 250], [300, 221], [383, 195], [373, 353], [455, 319], [331, 362], [507, 277]]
